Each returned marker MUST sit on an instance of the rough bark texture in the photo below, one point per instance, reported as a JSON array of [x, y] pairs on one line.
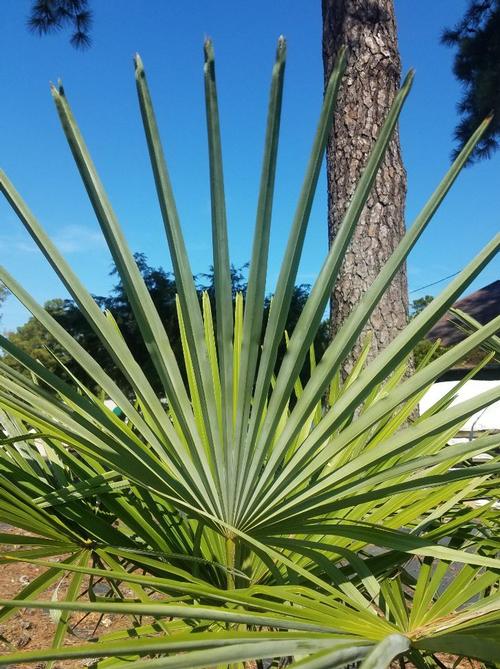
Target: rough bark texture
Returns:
[[372, 78]]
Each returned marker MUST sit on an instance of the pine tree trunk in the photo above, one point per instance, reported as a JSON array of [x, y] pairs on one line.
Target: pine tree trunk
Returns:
[[372, 78]]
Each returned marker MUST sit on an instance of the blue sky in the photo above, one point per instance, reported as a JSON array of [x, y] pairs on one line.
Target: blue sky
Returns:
[[100, 87]]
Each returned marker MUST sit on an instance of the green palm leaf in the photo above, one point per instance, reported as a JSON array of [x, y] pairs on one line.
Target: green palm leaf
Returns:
[[251, 512]]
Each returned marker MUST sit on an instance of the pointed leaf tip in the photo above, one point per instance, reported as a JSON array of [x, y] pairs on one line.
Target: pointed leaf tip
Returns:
[[56, 90], [341, 59], [408, 80], [138, 62], [138, 66], [281, 48], [208, 49]]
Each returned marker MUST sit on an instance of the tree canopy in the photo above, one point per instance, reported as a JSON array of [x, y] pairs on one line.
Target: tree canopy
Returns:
[[419, 304], [476, 39], [49, 16], [3, 296], [35, 340]]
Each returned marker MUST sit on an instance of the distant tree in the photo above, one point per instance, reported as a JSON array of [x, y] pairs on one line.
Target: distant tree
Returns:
[[206, 280], [476, 39], [35, 340], [419, 305], [3, 296], [161, 287], [298, 301], [423, 347], [50, 16]]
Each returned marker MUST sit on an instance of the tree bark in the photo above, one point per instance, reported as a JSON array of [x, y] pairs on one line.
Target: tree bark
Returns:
[[368, 29]]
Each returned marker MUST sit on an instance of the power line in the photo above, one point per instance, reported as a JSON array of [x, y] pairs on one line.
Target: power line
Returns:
[[416, 290]]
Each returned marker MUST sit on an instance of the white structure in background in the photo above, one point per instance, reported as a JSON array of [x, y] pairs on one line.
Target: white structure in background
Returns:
[[486, 420]]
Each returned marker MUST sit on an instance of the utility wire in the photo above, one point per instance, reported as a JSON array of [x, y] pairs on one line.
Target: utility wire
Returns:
[[416, 290]]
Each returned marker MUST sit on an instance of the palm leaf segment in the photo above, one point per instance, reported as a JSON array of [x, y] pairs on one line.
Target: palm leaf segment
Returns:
[[244, 496]]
